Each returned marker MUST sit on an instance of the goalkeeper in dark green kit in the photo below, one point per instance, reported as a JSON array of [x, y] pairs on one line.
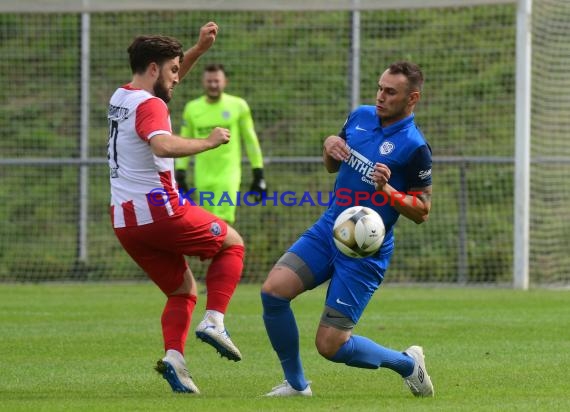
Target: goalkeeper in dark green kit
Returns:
[[217, 172]]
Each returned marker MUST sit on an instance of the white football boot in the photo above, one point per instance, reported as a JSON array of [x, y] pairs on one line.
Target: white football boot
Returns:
[[173, 368], [419, 381], [285, 389], [213, 332]]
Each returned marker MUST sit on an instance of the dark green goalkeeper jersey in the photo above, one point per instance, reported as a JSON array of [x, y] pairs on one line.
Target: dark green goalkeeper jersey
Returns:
[[218, 171]]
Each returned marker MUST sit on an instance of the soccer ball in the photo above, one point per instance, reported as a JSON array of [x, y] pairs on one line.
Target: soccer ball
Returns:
[[358, 232]]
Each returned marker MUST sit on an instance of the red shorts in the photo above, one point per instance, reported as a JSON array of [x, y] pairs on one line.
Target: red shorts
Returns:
[[159, 247]]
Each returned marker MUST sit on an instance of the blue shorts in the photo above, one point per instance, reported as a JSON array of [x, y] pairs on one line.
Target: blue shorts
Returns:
[[352, 281]]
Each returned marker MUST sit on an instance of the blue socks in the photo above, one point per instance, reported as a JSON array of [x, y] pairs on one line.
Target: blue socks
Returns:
[[284, 336], [361, 352], [358, 351]]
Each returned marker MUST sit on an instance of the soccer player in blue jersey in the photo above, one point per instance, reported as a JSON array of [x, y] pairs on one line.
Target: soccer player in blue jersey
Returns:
[[379, 149]]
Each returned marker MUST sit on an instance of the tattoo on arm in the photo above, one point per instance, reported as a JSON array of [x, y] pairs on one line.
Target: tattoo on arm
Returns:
[[423, 194], [425, 197]]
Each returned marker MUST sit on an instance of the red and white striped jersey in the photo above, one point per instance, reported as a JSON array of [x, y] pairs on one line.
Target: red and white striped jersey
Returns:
[[143, 189]]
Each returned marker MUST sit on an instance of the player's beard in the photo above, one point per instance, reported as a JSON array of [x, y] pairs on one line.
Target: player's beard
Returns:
[[161, 91], [214, 95]]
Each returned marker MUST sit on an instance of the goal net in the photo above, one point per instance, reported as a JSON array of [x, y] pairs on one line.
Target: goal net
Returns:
[[550, 144], [295, 64]]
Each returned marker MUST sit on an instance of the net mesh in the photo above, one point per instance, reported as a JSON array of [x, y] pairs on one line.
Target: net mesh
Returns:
[[293, 68], [550, 149]]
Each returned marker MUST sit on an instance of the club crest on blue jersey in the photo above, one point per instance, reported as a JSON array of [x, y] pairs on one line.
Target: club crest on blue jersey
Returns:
[[215, 229], [387, 148]]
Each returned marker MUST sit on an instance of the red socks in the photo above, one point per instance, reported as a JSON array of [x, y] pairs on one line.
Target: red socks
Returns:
[[176, 321], [223, 276]]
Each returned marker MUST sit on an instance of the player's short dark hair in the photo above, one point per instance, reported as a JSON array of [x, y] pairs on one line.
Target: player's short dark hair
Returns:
[[412, 72], [215, 67], [158, 49]]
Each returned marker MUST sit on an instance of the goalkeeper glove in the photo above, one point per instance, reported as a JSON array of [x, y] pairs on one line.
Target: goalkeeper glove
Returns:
[[180, 176], [258, 186]]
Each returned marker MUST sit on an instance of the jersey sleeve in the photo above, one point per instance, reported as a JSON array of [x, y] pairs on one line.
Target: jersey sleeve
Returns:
[[342, 132], [419, 167], [250, 140], [186, 130], [152, 118]]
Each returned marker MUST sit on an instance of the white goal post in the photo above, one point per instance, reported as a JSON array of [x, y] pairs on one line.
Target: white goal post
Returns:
[[522, 146]]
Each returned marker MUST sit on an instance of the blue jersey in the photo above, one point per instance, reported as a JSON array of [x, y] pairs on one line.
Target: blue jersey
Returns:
[[401, 146], [403, 149]]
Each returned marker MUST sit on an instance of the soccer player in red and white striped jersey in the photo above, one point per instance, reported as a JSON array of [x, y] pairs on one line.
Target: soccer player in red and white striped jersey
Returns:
[[155, 226]]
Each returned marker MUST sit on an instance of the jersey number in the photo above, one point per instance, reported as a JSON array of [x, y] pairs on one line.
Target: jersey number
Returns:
[[112, 148]]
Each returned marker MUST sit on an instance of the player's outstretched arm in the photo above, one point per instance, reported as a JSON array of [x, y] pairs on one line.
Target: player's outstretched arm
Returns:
[[208, 33], [164, 145]]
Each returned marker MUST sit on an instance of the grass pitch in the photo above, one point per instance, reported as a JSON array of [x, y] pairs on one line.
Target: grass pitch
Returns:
[[92, 347]]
